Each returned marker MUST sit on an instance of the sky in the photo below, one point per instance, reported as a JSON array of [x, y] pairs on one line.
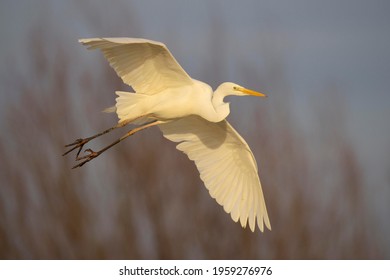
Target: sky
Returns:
[[345, 43]]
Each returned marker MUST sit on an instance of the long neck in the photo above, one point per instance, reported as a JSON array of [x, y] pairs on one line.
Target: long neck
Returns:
[[221, 108]]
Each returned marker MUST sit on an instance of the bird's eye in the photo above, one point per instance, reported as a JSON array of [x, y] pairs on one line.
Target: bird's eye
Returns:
[[235, 88]]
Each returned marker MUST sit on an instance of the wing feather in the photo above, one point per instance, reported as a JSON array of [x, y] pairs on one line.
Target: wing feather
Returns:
[[226, 166], [245, 200], [235, 189], [147, 66]]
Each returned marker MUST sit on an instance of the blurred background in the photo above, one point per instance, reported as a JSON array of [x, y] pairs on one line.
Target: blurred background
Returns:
[[321, 139]]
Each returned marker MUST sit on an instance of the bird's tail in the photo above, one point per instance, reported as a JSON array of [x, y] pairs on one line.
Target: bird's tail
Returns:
[[111, 109], [129, 106]]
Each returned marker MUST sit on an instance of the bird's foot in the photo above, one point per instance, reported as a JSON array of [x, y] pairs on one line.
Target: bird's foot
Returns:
[[92, 154], [79, 143]]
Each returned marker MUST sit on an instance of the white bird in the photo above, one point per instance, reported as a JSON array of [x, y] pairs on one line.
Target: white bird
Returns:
[[188, 112]]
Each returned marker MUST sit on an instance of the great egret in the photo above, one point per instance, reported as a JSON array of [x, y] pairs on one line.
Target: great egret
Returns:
[[189, 113]]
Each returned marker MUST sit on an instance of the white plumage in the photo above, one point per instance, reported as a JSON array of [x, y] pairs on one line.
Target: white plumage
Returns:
[[189, 113], [226, 166]]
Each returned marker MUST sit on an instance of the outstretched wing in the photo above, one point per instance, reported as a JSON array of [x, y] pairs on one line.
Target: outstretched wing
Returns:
[[226, 166], [147, 66]]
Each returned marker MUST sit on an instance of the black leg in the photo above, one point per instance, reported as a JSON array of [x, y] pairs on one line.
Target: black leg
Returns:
[[92, 154]]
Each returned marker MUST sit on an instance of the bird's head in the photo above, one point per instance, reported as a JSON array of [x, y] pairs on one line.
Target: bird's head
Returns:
[[233, 89], [225, 89]]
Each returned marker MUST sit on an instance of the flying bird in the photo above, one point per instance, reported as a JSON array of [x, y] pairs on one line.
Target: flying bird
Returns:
[[188, 112]]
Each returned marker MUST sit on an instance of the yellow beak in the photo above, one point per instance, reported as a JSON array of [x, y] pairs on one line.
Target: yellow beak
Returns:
[[251, 92]]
